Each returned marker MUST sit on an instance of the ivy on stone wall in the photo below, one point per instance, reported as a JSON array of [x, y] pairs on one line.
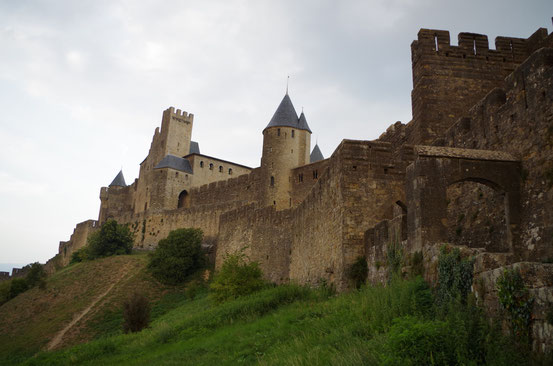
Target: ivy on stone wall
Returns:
[[517, 302], [454, 276]]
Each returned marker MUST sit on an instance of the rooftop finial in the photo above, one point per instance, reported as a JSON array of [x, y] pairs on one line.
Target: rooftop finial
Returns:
[[287, 81]]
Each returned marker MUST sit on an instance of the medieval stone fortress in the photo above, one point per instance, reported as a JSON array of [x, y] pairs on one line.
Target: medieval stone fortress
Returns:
[[473, 168]]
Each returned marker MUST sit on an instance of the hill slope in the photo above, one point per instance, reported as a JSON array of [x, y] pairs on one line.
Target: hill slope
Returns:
[[79, 303]]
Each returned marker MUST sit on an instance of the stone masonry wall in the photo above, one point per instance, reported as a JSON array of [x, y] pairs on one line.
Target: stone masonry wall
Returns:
[[520, 121], [303, 179], [448, 80], [77, 241]]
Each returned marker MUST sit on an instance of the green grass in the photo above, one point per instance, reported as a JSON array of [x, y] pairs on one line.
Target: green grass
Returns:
[[293, 325]]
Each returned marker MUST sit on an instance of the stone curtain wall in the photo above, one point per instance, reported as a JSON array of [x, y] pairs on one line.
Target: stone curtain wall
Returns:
[[77, 240], [303, 179]]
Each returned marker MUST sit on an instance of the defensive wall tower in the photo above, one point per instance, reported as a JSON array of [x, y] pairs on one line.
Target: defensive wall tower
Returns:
[[286, 145], [176, 132], [448, 80]]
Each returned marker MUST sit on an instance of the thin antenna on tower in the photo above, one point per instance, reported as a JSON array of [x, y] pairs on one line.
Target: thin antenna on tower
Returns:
[[287, 81]]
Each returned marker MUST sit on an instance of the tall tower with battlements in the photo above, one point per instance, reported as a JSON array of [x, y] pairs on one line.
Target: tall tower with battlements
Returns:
[[286, 145]]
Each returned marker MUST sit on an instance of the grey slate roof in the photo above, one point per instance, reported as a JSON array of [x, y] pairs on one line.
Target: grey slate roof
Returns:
[[174, 162], [286, 116], [194, 147], [316, 155], [303, 123], [119, 180]]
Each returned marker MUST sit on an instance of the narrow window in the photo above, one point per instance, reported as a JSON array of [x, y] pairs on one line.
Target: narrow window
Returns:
[[274, 203], [292, 133], [201, 164], [474, 46], [278, 132], [436, 42], [210, 166], [291, 151], [220, 168], [229, 171], [272, 181], [300, 177], [176, 174], [315, 174]]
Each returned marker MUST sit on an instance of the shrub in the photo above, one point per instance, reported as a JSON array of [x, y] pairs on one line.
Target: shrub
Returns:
[[413, 341], [454, 276], [36, 276], [177, 256], [111, 239], [394, 258], [236, 278], [18, 285], [5, 291], [517, 302], [80, 255], [358, 272], [136, 313]]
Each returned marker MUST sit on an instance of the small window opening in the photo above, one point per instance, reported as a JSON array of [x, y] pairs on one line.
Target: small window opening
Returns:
[[436, 42], [300, 177], [474, 46], [315, 174], [292, 133], [201, 164], [176, 174], [272, 181], [278, 132], [274, 203], [291, 151], [354, 167], [220, 168], [290, 202], [229, 171], [385, 170], [464, 55], [210, 166]]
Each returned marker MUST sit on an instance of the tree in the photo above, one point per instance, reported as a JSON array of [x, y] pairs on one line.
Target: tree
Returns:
[[111, 239], [177, 256], [36, 276], [237, 277]]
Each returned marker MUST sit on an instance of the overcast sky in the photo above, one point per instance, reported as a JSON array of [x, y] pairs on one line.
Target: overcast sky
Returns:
[[83, 85]]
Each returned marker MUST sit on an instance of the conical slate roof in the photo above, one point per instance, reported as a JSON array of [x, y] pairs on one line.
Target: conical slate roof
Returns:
[[286, 116], [119, 180], [316, 154], [303, 123]]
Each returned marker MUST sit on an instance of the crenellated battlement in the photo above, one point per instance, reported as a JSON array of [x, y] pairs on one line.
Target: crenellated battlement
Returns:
[[179, 115], [433, 42]]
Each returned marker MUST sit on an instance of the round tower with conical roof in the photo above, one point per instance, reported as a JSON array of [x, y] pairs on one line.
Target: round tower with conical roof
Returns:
[[286, 145]]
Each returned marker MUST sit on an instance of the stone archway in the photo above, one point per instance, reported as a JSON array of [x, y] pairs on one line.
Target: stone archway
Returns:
[[436, 168], [184, 200]]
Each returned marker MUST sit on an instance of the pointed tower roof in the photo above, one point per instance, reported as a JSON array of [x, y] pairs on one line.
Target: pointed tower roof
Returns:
[[286, 116], [119, 180], [303, 123], [316, 154]]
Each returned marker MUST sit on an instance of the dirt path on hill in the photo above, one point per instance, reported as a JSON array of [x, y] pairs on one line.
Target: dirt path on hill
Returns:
[[59, 336]]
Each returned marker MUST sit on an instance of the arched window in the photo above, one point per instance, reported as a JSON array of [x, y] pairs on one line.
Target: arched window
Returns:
[[201, 164], [230, 171], [210, 166], [292, 133], [272, 181], [220, 168]]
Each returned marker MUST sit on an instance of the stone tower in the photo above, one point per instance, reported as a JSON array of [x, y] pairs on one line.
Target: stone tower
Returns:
[[286, 145], [176, 132]]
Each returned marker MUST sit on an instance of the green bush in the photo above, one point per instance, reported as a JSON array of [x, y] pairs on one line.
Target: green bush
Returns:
[[5, 291], [36, 276], [236, 278], [177, 256], [358, 272], [454, 276], [414, 341], [136, 313], [517, 302], [18, 285], [80, 255], [111, 239]]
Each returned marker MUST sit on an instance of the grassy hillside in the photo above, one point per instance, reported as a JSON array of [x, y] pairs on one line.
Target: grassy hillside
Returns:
[[29, 321], [292, 325]]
